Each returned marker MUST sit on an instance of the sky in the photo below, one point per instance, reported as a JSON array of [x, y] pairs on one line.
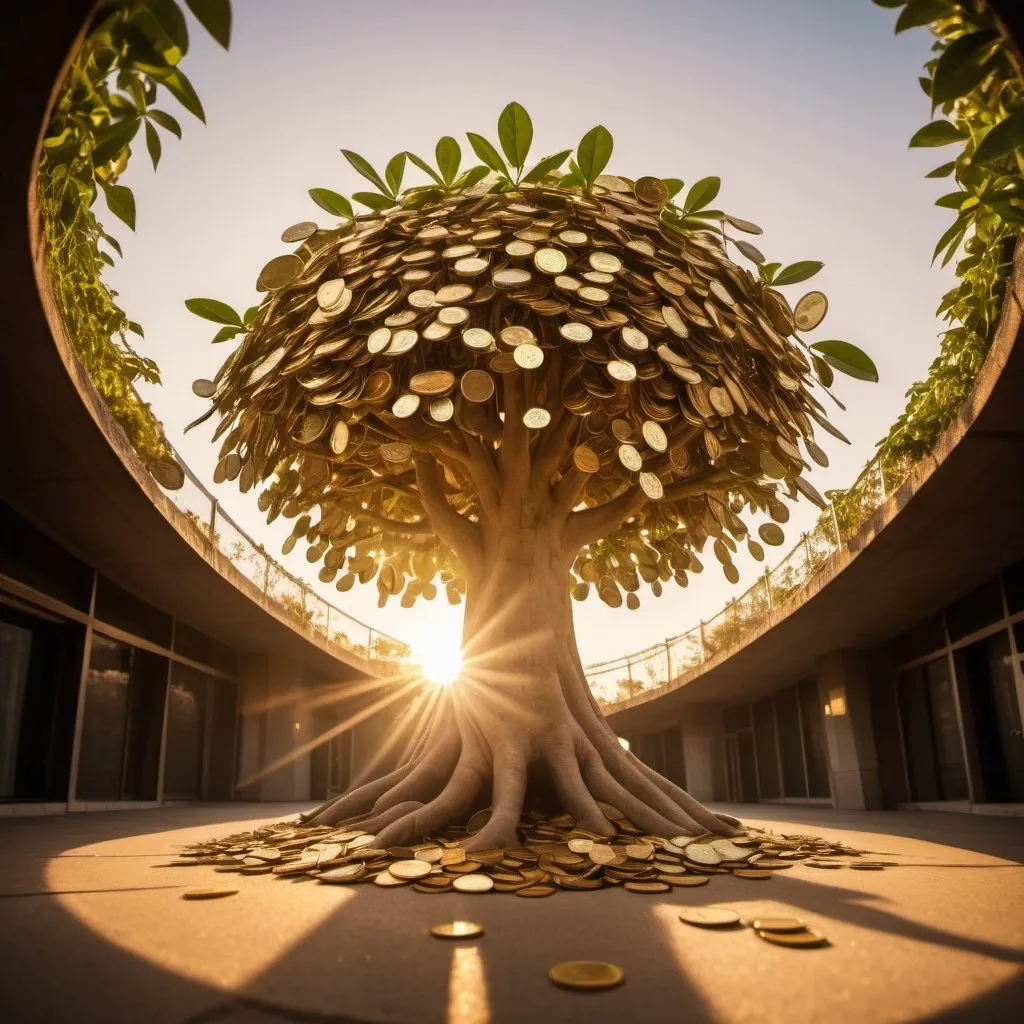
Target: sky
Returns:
[[802, 107]]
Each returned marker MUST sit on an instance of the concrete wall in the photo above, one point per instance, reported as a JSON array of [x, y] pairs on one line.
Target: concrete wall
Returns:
[[704, 753]]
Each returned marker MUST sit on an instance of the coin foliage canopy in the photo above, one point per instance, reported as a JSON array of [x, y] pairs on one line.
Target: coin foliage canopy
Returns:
[[585, 312]]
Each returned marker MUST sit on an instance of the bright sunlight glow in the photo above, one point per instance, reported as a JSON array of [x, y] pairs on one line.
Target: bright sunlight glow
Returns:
[[441, 663]]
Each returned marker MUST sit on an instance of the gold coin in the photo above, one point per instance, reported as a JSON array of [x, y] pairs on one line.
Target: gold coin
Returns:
[[516, 335], [630, 458], [207, 894], [674, 322], [709, 917], [827, 864], [771, 534], [402, 342], [511, 277], [550, 261], [634, 338], [586, 461], [280, 272], [453, 293], [601, 853], [476, 385], [536, 418], [567, 283], [778, 924], [605, 262], [620, 370], [581, 845], [647, 887], [299, 232], [652, 486], [429, 854], [343, 874], [806, 939], [441, 410], [810, 310], [477, 338], [654, 435], [435, 331], [453, 316], [865, 865], [422, 298], [579, 333], [470, 266], [409, 869], [473, 883], [535, 891], [586, 974], [651, 191], [528, 357], [457, 930], [751, 873], [685, 880], [386, 880], [432, 382], [203, 388], [405, 405], [594, 295], [519, 249], [452, 855], [330, 292], [573, 237], [720, 292], [378, 340]]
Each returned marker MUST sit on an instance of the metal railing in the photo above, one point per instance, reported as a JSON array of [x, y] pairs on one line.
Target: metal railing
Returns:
[[294, 597], [662, 664]]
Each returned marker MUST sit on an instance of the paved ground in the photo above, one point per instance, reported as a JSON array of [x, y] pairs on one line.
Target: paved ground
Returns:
[[90, 931]]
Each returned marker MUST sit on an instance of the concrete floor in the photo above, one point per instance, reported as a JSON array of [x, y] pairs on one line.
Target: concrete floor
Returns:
[[90, 931]]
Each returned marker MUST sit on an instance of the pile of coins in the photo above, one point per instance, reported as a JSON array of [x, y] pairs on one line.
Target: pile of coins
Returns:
[[554, 854], [417, 327], [781, 931]]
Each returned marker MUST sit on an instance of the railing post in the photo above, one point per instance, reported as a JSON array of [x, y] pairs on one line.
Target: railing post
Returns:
[[369, 644], [807, 548], [213, 522], [668, 662], [768, 587], [835, 523], [266, 574], [327, 623], [703, 644]]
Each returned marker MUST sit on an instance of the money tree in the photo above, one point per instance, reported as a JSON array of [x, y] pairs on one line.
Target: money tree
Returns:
[[522, 383]]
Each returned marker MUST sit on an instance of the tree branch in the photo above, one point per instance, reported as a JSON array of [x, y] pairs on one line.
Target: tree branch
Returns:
[[514, 455], [591, 524], [455, 530], [700, 484], [420, 527]]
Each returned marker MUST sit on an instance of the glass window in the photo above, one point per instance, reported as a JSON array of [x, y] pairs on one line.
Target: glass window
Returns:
[[123, 610], [1013, 584], [767, 750], [220, 770], [812, 721], [978, 609], [787, 717], [925, 638], [946, 731], [186, 720], [15, 651], [204, 649]]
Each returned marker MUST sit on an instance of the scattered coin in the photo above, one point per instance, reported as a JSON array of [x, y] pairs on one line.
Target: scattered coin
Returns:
[[457, 930], [586, 974], [752, 873], [536, 891], [806, 939], [208, 894], [473, 883], [778, 924], [409, 869], [709, 917]]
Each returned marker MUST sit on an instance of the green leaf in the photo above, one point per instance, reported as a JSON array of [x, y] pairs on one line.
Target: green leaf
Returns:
[[674, 186], [546, 166], [110, 141], [515, 133], [748, 250], [848, 359], [425, 167], [889, 3], [797, 272], [165, 121], [121, 202], [330, 201], [937, 133], [105, 257], [136, 328], [394, 173], [594, 152], [701, 193], [153, 144], [170, 19], [951, 238], [365, 168], [487, 153], [943, 171], [921, 12], [113, 243], [448, 154], [215, 17], [225, 334], [469, 178], [374, 200], [962, 66], [181, 89], [214, 310], [767, 271], [1002, 139], [571, 180], [951, 200], [250, 314], [744, 225]]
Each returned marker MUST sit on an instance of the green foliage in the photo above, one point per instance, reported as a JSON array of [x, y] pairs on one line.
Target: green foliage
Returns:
[[975, 81], [132, 50]]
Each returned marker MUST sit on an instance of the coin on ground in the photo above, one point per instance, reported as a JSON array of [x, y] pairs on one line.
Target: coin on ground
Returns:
[[866, 865], [692, 880], [457, 930], [778, 924], [409, 869], [536, 891], [207, 894], [804, 939], [586, 974], [751, 873], [709, 917], [647, 886], [473, 883]]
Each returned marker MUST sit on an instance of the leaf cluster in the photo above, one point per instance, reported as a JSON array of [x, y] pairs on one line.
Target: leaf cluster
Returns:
[[974, 81], [108, 99]]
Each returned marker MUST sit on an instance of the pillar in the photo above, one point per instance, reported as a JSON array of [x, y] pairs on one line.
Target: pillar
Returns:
[[704, 753], [843, 679]]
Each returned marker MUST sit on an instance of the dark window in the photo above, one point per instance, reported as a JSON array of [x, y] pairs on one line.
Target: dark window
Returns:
[[675, 768], [925, 638], [812, 721], [186, 721], [220, 768], [197, 646], [1013, 584], [30, 557], [978, 609], [116, 607], [767, 750], [787, 715]]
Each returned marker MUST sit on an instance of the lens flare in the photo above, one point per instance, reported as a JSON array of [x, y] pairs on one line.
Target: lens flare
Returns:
[[441, 665]]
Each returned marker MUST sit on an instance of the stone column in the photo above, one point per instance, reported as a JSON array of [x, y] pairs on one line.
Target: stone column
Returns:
[[843, 685], [704, 752]]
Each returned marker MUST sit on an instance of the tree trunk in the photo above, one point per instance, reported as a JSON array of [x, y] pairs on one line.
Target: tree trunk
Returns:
[[521, 712]]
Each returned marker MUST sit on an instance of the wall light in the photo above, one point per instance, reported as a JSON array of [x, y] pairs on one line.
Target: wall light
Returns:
[[836, 705]]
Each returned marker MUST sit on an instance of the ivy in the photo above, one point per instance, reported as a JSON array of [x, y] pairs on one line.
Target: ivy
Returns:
[[131, 52], [975, 83]]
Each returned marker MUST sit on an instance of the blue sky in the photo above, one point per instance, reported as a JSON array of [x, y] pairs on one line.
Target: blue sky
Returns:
[[803, 107]]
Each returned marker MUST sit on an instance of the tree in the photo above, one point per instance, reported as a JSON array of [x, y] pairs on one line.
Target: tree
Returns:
[[524, 383]]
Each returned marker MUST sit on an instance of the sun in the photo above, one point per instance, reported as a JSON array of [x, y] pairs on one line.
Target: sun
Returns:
[[441, 664]]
